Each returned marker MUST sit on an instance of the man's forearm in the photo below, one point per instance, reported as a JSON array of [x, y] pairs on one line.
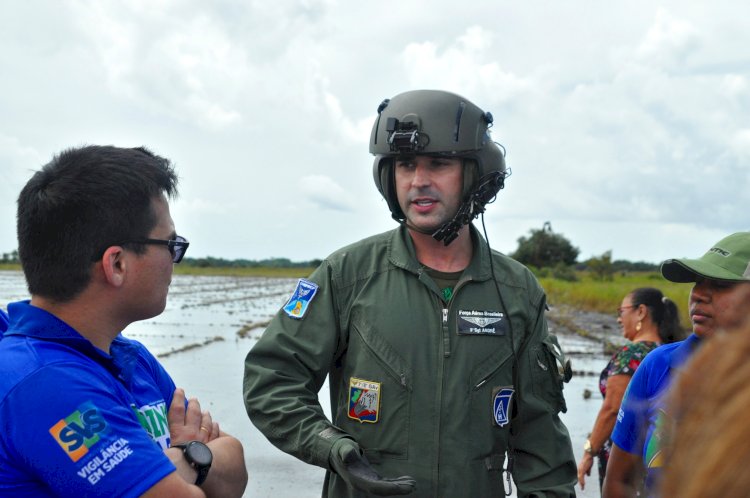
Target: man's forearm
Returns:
[[228, 475]]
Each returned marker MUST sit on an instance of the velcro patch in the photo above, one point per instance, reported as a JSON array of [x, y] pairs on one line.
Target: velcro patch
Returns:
[[364, 400], [501, 405], [473, 322], [303, 294]]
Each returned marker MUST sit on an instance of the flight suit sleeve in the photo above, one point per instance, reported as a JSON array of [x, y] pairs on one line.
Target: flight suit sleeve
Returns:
[[543, 464], [285, 370]]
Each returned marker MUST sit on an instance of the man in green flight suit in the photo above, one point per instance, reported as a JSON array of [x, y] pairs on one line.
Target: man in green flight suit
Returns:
[[437, 347]]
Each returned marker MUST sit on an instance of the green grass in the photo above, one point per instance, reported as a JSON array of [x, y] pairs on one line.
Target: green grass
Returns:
[[606, 297], [10, 266]]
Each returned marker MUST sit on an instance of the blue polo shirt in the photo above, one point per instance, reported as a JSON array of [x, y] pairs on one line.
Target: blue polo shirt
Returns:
[[638, 429], [74, 420]]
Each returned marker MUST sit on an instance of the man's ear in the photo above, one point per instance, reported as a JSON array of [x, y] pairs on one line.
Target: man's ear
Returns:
[[114, 265]]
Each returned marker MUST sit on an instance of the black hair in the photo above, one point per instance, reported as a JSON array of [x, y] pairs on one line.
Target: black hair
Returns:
[[663, 311], [80, 203]]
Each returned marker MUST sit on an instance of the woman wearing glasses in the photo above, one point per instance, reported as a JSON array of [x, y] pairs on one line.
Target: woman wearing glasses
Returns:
[[648, 319]]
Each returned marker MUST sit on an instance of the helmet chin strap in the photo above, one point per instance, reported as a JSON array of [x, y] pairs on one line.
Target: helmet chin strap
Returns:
[[474, 205]]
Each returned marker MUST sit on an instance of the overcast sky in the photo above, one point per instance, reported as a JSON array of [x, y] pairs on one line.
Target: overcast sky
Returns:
[[626, 124]]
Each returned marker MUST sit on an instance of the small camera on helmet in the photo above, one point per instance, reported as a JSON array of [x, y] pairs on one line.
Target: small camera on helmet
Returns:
[[404, 138]]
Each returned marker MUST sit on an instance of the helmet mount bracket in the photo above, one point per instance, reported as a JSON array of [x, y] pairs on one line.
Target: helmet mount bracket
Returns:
[[404, 137]]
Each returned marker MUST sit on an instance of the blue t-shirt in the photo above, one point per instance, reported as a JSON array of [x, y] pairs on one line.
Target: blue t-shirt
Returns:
[[641, 415], [74, 420]]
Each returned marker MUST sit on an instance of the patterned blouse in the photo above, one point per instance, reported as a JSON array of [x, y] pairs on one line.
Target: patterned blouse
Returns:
[[623, 362]]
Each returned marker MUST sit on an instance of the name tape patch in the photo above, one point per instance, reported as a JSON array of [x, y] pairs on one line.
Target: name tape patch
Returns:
[[473, 322], [303, 294]]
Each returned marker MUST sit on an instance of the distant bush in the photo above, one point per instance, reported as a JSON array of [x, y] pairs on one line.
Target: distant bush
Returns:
[[601, 268], [561, 271], [544, 248], [622, 265], [10, 257]]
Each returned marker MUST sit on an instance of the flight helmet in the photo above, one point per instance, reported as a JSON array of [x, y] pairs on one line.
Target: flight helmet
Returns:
[[438, 123]]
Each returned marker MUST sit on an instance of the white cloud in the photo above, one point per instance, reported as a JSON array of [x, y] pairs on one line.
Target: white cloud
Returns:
[[734, 85], [465, 66], [741, 144], [324, 192], [199, 206], [615, 117], [356, 131], [669, 41], [191, 71]]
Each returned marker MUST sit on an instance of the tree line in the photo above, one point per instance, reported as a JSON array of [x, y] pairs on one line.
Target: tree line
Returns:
[[211, 262], [547, 253]]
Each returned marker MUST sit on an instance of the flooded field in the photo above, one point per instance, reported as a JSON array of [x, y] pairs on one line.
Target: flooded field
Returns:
[[211, 322]]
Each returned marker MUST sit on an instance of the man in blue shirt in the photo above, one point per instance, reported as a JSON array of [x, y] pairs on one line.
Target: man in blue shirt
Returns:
[[83, 410], [719, 300]]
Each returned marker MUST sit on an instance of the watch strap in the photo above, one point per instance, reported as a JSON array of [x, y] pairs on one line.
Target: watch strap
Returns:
[[202, 474]]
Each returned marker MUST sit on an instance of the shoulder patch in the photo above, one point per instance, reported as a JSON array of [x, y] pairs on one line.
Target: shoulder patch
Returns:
[[80, 431], [303, 294]]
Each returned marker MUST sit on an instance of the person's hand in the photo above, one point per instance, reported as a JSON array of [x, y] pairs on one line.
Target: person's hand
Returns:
[[188, 423], [584, 468], [350, 463]]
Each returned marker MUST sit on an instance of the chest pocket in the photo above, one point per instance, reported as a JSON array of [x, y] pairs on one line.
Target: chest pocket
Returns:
[[550, 370], [372, 361]]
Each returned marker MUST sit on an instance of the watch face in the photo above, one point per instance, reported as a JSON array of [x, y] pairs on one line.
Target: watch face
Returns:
[[199, 454]]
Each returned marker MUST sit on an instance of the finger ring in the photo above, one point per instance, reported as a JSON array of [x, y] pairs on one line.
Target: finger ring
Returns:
[[204, 429]]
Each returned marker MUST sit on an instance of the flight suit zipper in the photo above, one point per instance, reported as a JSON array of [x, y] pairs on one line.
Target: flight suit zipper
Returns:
[[446, 313], [446, 333], [445, 325]]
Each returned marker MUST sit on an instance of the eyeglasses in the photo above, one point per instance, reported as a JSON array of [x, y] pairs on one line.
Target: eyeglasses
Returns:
[[619, 310], [177, 247]]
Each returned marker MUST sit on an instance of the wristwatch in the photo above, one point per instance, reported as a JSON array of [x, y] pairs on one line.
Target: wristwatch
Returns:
[[199, 456], [587, 447]]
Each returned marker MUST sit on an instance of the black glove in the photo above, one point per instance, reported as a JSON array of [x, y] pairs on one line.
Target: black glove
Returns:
[[350, 463]]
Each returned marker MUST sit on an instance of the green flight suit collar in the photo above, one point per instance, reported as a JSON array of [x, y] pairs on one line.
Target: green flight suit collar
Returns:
[[401, 253]]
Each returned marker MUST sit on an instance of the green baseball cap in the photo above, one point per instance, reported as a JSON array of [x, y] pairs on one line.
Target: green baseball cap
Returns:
[[728, 259]]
